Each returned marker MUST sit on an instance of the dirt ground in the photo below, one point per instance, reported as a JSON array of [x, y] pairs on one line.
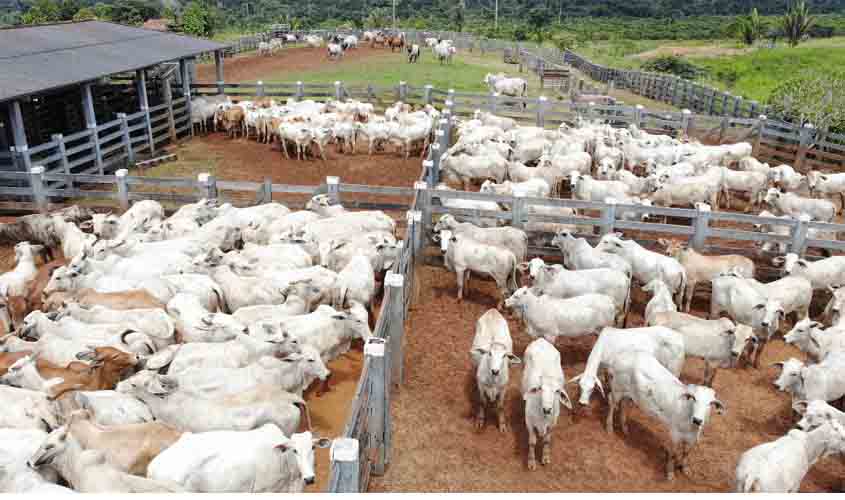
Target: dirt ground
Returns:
[[251, 67], [436, 447], [700, 51]]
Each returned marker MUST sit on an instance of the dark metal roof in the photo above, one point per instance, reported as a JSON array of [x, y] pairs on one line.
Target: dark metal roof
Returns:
[[35, 59]]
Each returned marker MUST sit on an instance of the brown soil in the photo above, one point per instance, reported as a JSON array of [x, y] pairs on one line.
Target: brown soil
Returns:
[[702, 51], [437, 448], [251, 67]]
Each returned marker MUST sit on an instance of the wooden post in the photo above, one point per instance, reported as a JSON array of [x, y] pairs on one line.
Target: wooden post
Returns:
[[737, 105], [541, 111], [186, 93], [344, 457], [141, 81], [799, 235], [122, 188], [805, 135], [686, 118], [36, 180], [259, 89], [424, 199], [268, 190], [608, 217], [333, 188], [427, 97], [218, 67], [91, 124], [60, 145], [435, 157], [701, 225], [518, 209], [19, 135], [127, 139], [338, 92], [300, 91], [446, 127], [207, 186], [415, 223], [396, 294], [493, 101], [753, 109], [591, 110], [403, 91], [638, 115], [761, 124], [374, 351], [168, 99]]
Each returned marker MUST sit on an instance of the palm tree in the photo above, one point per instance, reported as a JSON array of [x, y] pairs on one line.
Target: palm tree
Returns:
[[751, 27], [796, 22]]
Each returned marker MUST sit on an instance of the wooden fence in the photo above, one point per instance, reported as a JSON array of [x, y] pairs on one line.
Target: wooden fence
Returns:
[[109, 146]]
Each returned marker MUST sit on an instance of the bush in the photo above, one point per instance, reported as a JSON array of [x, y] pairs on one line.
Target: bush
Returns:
[[818, 98], [674, 65]]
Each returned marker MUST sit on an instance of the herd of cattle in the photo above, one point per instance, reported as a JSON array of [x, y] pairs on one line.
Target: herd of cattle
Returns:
[[160, 353], [308, 125], [591, 292]]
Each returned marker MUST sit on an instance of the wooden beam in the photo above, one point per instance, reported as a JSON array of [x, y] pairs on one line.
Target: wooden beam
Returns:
[[141, 82], [185, 72], [19, 135], [218, 67], [91, 124]]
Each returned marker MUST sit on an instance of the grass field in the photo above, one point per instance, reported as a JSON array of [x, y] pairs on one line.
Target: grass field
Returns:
[[466, 73], [751, 73]]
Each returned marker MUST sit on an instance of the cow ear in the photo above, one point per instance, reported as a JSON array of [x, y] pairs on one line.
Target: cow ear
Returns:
[[514, 359], [800, 407], [283, 447], [802, 263], [759, 307], [719, 406], [564, 398]]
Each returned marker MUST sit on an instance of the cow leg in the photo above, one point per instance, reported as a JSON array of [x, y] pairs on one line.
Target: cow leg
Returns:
[[706, 374], [547, 447], [681, 464], [759, 353], [670, 463], [500, 411], [532, 445], [460, 279], [688, 294], [623, 418], [611, 407], [479, 416]]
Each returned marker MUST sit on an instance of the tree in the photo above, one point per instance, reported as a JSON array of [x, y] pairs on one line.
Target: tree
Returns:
[[199, 20], [539, 18], [796, 22], [750, 28], [378, 18], [103, 11], [85, 14], [816, 97], [565, 40], [459, 16], [42, 11]]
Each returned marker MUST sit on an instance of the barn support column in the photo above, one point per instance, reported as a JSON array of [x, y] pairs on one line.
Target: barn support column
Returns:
[[141, 82], [4, 124], [185, 73], [218, 67], [91, 124], [19, 136]]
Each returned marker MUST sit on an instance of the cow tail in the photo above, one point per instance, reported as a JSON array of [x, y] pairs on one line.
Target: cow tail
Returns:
[[682, 291], [514, 282]]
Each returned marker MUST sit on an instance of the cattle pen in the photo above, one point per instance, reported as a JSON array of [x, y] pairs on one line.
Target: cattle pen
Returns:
[[49, 178]]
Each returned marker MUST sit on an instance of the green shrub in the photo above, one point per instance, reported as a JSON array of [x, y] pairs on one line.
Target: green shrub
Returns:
[[817, 97], [674, 65]]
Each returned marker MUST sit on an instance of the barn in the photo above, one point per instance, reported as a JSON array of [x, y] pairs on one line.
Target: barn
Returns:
[[85, 97]]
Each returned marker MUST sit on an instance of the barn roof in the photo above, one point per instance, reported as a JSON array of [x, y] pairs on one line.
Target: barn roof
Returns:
[[35, 59]]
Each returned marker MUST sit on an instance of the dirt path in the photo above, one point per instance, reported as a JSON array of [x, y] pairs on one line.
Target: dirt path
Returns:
[[437, 448], [252, 67]]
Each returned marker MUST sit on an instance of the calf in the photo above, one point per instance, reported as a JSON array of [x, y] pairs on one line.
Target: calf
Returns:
[[492, 355]]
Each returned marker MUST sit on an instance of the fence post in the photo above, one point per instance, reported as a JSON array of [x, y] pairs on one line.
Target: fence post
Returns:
[[127, 140], [761, 123], [493, 101], [207, 186], [338, 96], [300, 91], [737, 105], [60, 144], [36, 180], [122, 188], [608, 217], [333, 188], [268, 190], [638, 115], [424, 198], [518, 209], [435, 157], [395, 283], [427, 95], [446, 127], [344, 456], [799, 236], [541, 111], [805, 135], [168, 100], [415, 227], [723, 128], [403, 91], [591, 110], [95, 139], [259, 89], [686, 118], [701, 225], [374, 352]]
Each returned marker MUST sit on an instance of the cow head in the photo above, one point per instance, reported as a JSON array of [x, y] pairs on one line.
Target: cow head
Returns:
[[700, 400], [791, 377], [300, 449]]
